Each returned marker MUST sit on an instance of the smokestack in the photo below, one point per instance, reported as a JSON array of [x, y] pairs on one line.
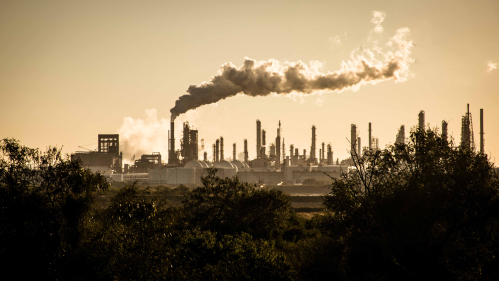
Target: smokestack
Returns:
[[304, 154], [218, 151], [421, 120], [234, 151], [258, 138], [329, 155], [263, 138], [291, 150], [323, 151], [214, 153], [172, 159], [312, 147], [205, 154], [278, 146], [245, 150], [359, 148], [222, 148], [370, 137], [444, 129], [353, 138], [481, 132], [296, 155]]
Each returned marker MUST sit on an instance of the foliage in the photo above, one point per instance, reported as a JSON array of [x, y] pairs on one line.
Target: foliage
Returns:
[[425, 208], [228, 206], [44, 198], [422, 209]]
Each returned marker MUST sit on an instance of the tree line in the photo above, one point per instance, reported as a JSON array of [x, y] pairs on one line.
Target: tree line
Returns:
[[425, 209]]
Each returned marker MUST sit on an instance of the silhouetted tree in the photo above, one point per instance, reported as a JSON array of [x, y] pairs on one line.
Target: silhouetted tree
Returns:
[[44, 198], [228, 206], [426, 208]]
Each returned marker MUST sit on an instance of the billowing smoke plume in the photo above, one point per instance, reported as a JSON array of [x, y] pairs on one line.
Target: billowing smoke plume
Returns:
[[261, 78]]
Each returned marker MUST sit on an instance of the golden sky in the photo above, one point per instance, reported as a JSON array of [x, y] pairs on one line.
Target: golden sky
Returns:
[[70, 70]]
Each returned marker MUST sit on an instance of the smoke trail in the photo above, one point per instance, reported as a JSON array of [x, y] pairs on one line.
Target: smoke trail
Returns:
[[261, 78]]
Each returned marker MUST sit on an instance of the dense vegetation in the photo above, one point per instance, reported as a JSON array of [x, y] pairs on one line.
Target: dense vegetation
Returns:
[[422, 210]]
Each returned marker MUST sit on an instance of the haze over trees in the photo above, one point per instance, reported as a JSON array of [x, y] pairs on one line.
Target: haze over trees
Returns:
[[425, 209]]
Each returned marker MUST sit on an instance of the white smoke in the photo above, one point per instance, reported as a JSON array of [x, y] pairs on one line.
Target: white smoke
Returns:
[[491, 66], [262, 78], [378, 18], [150, 134]]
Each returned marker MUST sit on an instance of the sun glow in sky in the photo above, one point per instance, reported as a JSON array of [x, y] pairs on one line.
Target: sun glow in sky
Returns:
[[73, 69]]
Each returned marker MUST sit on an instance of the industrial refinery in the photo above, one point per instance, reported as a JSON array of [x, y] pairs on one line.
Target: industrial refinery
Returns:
[[274, 164]]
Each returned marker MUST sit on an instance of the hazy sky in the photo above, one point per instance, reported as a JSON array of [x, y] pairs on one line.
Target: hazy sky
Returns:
[[70, 70]]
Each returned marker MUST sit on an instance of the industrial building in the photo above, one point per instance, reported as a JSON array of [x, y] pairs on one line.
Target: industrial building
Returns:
[[270, 166]]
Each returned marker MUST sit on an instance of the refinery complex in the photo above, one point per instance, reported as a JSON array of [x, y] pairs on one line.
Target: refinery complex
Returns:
[[274, 164]]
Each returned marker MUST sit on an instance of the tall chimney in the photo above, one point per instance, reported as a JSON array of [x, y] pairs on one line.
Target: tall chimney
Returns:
[[218, 151], [482, 144], [421, 120], [353, 138], [444, 129], [304, 154], [263, 138], [172, 157], [278, 146], [370, 137], [312, 147], [221, 148], [205, 156], [258, 138], [214, 152], [329, 155], [323, 152], [234, 151], [245, 150]]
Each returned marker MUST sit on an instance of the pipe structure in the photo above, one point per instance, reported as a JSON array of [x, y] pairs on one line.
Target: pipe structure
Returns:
[[234, 151], [482, 144], [217, 154], [353, 138], [323, 152], [245, 150], [258, 138], [444, 129], [370, 137], [221, 148], [214, 152], [278, 146], [172, 157], [312, 147], [421, 120]]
